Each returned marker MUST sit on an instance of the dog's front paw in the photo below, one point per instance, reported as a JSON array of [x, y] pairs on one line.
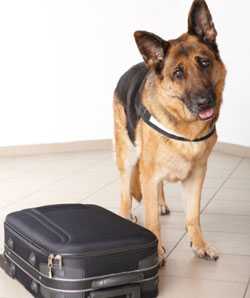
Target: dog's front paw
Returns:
[[206, 252]]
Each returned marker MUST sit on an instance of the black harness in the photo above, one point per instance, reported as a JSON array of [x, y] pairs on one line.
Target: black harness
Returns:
[[153, 123]]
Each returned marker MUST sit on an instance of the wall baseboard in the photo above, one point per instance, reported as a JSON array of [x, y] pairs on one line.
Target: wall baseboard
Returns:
[[106, 144], [237, 150], [24, 150]]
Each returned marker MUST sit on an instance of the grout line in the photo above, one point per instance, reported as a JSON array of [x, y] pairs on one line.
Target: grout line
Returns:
[[177, 243], [89, 195], [39, 164], [27, 196], [179, 212], [205, 279], [56, 181], [235, 255], [246, 290], [226, 214], [221, 186], [183, 252]]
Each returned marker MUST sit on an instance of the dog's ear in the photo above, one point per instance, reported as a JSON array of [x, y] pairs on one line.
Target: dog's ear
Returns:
[[153, 49], [200, 22]]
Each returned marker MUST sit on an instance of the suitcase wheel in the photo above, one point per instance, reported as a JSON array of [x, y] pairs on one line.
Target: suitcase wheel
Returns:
[[10, 243], [32, 259], [12, 270], [34, 287]]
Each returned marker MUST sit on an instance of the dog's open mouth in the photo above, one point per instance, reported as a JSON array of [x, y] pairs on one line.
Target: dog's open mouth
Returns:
[[207, 114]]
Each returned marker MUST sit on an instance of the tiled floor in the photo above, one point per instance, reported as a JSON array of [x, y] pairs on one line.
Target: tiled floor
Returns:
[[91, 177]]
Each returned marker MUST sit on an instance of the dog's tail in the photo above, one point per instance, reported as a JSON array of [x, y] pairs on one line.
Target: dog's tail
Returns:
[[136, 184]]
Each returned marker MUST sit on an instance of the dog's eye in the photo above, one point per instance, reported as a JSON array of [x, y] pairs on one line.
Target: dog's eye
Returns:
[[203, 62], [179, 73]]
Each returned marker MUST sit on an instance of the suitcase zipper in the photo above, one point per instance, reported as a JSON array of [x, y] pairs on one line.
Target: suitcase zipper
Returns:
[[52, 262], [65, 285], [50, 265], [57, 260]]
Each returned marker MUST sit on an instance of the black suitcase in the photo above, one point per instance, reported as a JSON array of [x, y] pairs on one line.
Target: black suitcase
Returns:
[[80, 251]]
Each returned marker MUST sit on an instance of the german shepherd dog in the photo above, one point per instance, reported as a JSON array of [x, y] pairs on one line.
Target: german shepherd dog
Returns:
[[180, 85]]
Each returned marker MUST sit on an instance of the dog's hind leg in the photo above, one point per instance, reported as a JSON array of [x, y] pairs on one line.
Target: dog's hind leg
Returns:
[[164, 210], [126, 159], [126, 196], [150, 192], [136, 183]]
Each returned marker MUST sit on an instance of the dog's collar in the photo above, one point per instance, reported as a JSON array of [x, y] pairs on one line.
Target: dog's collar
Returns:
[[155, 124]]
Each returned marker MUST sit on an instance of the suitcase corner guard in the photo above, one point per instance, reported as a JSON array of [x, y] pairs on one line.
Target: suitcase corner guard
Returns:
[[6, 266]]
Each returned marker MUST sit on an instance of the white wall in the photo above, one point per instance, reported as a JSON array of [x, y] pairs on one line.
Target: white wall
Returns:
[[60, 61]]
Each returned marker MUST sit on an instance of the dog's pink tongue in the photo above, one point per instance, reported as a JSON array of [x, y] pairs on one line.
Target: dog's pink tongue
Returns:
[[206, 114]]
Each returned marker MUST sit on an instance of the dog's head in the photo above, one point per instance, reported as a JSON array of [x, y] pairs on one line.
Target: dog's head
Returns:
[[189, 70]]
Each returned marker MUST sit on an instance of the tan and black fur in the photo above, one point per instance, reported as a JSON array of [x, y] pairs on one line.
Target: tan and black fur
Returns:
[[180, 82]]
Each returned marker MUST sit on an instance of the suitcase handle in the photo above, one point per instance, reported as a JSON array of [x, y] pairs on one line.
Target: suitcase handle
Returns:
[[117, 280], [127, 291]]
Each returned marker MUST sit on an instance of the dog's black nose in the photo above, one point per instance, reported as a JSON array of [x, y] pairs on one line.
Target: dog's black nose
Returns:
[[205, 101], [202, 100]]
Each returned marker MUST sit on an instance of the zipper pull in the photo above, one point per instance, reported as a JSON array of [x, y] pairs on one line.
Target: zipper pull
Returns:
[[58, 261], [50, 265]]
